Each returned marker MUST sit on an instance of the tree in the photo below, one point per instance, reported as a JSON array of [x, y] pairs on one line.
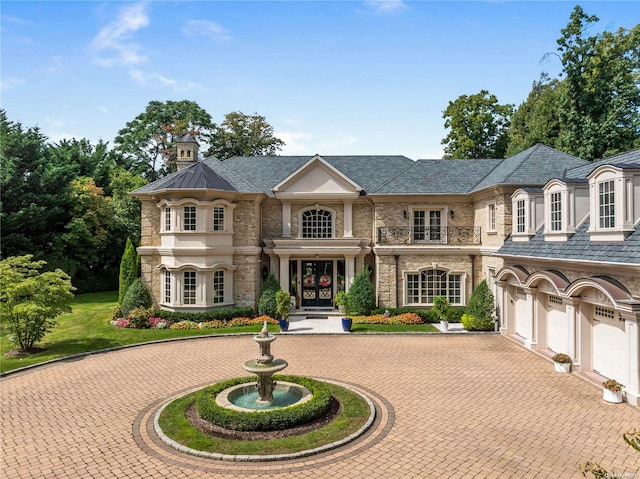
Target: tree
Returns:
[[32, 300], [478, 127], [126, 208], [147, 143], [243, 135], [478, 313], [128, 269], [536, 120], [599, 110]]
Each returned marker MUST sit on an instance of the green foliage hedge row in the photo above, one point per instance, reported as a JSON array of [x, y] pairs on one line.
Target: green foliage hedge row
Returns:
[[226, 314], [271, 420]]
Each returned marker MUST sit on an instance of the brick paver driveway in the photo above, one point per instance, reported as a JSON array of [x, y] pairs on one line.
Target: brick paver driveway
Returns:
[[453, 406]]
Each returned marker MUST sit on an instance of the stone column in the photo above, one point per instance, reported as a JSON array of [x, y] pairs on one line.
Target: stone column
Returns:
[[284, 273], [574, 326], [286, 220], [632, 330], [501, 305], [348, 220], [582, 314], [349, 271], [532, 314]]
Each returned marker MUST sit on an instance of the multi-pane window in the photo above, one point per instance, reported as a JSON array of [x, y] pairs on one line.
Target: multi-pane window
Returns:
[[423, 287], [167, 219], [427, 231], [218, 287], [555, 208], [606, 204], [189, 216], [520, 216], [218, 218], [189, 287], [167, 287], [491, 217], [317, 224]]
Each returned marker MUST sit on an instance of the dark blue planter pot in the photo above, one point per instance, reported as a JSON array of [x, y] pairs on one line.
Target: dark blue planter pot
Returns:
[[346, 324], [284, 325]]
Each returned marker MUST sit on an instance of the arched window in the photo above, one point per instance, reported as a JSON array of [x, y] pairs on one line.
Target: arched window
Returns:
[[317, 223], [424, 286]]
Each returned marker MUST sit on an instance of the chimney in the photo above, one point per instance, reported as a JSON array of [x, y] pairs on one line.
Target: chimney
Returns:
[[187, 151]]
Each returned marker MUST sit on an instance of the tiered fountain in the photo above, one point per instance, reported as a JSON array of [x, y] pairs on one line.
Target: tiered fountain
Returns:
[[266, 393]]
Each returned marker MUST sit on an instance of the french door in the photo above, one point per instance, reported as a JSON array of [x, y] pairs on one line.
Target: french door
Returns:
[[317, 283]]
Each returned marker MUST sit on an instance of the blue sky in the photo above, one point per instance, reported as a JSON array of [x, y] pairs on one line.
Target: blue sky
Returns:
[[331, 77]]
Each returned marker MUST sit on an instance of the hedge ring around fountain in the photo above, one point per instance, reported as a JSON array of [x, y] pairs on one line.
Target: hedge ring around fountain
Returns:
[[264, 405]]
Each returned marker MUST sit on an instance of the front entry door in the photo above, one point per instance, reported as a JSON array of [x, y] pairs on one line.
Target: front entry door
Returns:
[[317, 283]]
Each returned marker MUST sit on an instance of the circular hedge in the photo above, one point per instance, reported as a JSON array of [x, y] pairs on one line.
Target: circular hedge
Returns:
[[269, 420]]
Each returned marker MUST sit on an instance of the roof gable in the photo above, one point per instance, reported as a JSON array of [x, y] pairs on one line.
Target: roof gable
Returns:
[[317, 179]]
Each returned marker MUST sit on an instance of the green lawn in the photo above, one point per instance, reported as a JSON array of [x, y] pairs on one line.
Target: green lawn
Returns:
[[87, 328]]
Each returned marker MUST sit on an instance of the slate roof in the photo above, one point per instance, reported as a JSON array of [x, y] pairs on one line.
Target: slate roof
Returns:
[[629, 159], [577, 247], [438, 177], [263, 173], [534, 166], [196, 176]]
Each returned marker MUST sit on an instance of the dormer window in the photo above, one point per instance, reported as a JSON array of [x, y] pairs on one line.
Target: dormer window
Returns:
[[555, 210], [528, 212], [565, 205], [612, 202]]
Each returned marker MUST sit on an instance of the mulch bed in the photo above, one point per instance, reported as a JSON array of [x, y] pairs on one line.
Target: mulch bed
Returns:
[[14, 353], [213, 430]]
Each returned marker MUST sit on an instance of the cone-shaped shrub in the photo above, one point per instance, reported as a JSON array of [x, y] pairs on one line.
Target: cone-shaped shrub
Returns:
[[128, 269], [479, 311], [137, 296], [267, 302], [361, 298]]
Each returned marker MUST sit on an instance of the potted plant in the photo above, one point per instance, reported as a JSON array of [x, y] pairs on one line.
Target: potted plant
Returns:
[[340, 300], [283, 302], [562, 363], [612, 391], [442, 310]]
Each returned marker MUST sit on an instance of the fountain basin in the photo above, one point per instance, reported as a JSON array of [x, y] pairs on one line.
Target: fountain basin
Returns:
[[256, 367], [244, 397]]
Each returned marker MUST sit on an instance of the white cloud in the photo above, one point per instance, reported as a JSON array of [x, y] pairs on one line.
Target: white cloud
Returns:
[[114, 37], [336, 145], [386, 6], [11, 82], [145, 78], [203, 28], [295, 142], [53, 123]]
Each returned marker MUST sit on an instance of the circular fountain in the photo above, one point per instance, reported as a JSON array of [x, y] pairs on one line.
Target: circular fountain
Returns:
[[265, 393]]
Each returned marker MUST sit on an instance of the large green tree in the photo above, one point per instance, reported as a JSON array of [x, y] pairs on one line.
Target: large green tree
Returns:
[[599, 108], [477, 125], [146, 145], [31, 300], [536, 119], [243, 135]]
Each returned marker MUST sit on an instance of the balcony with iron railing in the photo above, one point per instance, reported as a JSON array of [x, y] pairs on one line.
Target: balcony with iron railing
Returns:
[[449, 235]]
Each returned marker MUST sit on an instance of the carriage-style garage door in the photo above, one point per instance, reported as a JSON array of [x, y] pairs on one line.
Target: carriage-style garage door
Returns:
[[609, 344], [557, 327], [522, 317]]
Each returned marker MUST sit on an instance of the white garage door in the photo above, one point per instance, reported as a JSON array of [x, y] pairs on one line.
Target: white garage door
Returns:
[[609, 345], [557, 327], [522, 319]]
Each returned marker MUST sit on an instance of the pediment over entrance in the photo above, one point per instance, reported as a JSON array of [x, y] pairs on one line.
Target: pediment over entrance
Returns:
[[317, 179]]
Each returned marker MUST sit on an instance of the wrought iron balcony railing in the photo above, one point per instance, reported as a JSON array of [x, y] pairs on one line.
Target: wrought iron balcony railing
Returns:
[[395, 235]]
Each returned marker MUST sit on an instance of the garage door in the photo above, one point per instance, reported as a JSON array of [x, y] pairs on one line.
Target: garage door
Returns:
[[522, 318], [557, 327], [609, 345]]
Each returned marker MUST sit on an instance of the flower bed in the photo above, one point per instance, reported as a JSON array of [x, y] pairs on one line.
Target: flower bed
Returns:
[[404, 318]]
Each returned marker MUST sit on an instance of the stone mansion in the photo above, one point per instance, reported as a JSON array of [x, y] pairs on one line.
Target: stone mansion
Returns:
[[557, 239]]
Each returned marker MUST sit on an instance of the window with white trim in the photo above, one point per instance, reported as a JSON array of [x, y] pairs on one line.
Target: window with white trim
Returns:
[[606, 204], [427, 225], [167, 219], [423, 287], [520, 216], [491, 217], [555, 210], [189, 218], [218, 218], [218, 287], [189, 287], [317, 223], [167, 286]]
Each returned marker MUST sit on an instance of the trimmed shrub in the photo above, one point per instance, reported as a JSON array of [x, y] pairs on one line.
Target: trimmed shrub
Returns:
[[128, 270], [226, 314], [270, 420], [441, 308], [361, 298], [139, 318], [267, 302], [137, 296], [479, 311], [471, 323]]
